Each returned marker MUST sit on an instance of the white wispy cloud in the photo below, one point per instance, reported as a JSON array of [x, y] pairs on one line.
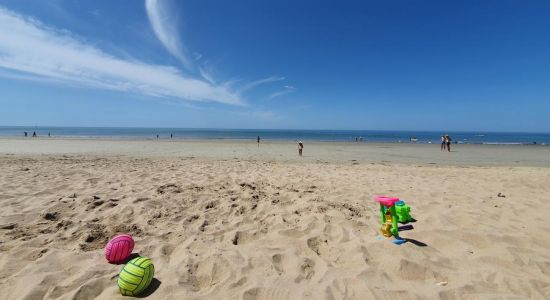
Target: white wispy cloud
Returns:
[[163, 20], [253, 84], [206, 75], [30, 49], [164, 23], [197, 56], [288, 89], [165, 27]]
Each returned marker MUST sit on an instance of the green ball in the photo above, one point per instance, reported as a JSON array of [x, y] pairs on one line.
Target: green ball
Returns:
[[136, 276]]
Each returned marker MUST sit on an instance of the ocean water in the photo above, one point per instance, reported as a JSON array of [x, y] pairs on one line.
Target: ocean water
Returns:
[[276, 134]]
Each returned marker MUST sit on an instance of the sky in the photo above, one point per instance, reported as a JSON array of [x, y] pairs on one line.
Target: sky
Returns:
[[308, 64]]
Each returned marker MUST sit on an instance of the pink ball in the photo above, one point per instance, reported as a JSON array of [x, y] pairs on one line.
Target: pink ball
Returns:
[[119, 248]]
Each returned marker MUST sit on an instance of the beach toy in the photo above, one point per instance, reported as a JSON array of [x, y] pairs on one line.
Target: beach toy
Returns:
[[389, 217], [136, 276], [403, 212], [399, 241], [119, 248]]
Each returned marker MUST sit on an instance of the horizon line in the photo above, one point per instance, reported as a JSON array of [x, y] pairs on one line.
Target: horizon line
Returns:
[[273, 129]]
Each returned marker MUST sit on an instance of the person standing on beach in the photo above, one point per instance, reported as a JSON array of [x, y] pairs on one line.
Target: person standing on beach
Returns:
[[300, 148], [171, 135], [448, 142], [34, 134], [443, 143], [258, 140]]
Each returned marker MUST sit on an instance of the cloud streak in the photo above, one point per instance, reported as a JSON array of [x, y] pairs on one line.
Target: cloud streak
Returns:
[[288, 89], [254, 84], [31, 49], [162, 21]]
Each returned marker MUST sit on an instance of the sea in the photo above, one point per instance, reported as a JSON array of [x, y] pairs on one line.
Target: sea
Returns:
[[364, 136]]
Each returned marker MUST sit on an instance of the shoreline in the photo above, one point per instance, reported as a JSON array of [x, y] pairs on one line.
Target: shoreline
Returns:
[[263, 140]]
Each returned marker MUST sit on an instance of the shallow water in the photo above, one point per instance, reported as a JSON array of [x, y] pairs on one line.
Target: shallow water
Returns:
[[277, 134]]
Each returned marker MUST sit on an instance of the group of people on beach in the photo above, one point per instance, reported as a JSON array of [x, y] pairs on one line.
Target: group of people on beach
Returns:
[[446, 143], [33, 134]]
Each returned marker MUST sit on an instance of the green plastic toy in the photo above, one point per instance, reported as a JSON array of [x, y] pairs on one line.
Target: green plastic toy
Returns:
[[403, 212]]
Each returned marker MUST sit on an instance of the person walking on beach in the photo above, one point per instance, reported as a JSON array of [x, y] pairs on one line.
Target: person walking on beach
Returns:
[[448, 142], [34, 134], [171, 135], [258, 140], [300, 148], [443, 143]]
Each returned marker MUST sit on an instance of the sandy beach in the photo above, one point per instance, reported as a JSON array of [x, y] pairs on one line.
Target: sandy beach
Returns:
[[230, 220], [286, 151]]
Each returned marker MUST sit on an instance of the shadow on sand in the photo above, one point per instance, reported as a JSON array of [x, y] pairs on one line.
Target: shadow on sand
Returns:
[[155, 284], [132, 256], [416, 243]]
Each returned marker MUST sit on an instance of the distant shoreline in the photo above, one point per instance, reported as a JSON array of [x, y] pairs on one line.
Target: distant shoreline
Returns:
[[263, 140], [348, 136]]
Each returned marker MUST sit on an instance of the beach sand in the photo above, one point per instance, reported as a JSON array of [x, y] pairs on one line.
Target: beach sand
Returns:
[[229, 220]]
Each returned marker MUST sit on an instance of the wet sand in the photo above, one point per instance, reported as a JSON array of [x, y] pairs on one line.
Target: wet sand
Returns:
[[401, 153]]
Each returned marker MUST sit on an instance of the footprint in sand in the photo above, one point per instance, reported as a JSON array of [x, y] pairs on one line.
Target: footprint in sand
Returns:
[[169, 188], [166, 250], [307, 269], [211, 272], [313, 244], [278, 261]]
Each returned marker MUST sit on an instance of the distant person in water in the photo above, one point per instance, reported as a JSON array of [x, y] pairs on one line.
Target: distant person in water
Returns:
[[49, 135], [171, 135], [258, 140], [443, 143], [157, 136], [26, 134], [300, 148], [34, 134]]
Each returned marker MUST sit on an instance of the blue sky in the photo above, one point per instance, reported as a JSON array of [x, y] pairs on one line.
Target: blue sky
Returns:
[[413, 65]]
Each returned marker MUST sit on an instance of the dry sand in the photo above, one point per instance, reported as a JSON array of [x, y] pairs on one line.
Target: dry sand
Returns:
[[240, 222]]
